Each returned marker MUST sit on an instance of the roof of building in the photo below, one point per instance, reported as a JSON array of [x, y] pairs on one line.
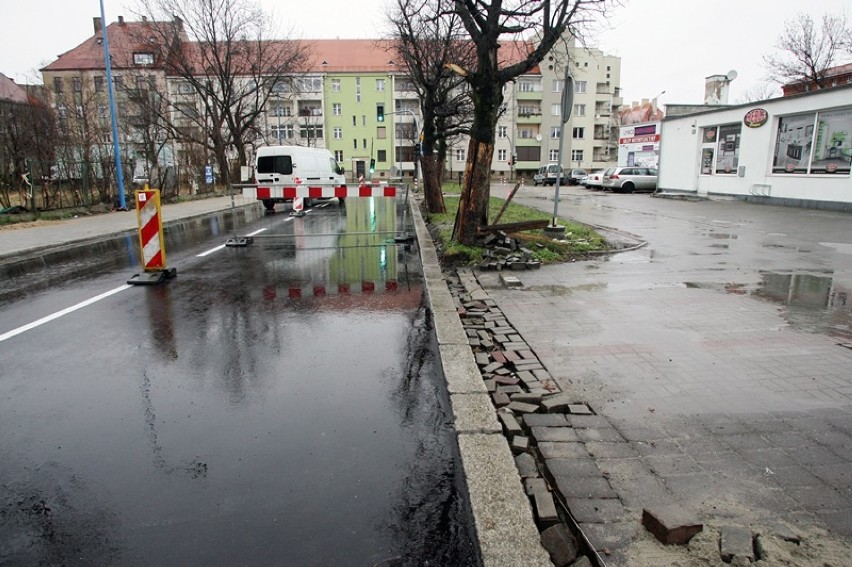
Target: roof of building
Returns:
[[327, 55], [11, 91]]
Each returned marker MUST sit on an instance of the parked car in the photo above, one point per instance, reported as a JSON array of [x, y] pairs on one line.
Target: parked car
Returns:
[[576, 176], [593, 180], [630, 179], [547, 174]]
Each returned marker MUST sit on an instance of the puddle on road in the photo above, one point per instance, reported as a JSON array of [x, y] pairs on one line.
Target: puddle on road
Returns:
[[841, 247], [814, 302]]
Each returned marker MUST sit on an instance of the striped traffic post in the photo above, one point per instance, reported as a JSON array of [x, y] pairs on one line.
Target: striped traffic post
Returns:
[[151, 241]]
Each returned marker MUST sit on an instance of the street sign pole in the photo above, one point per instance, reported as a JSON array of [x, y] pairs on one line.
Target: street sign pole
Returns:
[[567, 105]]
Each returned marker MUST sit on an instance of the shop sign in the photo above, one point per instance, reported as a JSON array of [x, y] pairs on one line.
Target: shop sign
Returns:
[[756, 118]]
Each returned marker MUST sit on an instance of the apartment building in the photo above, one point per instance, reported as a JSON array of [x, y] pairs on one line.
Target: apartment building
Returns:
[[335, 103]]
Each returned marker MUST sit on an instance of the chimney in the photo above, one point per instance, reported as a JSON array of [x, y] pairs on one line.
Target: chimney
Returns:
[[145, 19], [716, 89], [178, 23], [121, 20], [97, 24]]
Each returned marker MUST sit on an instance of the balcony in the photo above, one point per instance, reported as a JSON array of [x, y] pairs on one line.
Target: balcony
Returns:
[[528, 95], [529, 117]]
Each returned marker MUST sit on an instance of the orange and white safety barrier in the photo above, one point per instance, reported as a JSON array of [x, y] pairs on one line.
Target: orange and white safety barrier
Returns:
[[318, 191], [150, 230]]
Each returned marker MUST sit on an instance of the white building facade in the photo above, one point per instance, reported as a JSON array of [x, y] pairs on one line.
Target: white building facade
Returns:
[[794, 150]]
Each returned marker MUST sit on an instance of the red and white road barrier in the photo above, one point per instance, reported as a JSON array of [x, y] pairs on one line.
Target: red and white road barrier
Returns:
[[270, 292], [318, 191], [150, 230]]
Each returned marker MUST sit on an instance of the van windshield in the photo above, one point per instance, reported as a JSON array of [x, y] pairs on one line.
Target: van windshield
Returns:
[[553, 169], [275, 164]]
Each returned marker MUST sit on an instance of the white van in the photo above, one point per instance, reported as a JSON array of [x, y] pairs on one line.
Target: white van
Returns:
[[295, 165], [547, 175]]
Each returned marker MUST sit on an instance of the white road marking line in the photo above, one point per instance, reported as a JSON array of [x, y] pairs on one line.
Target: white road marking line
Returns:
[[58, 314], [220, 247], [258, 231]]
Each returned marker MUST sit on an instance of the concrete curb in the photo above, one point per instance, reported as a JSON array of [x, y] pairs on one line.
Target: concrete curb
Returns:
[[505, 529]]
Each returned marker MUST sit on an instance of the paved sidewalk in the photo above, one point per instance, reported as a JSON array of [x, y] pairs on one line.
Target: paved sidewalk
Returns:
[[25, 238], [720, 355]]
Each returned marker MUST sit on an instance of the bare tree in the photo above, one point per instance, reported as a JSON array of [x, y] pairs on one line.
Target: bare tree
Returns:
[[220, 51], [757, 92], [487, 23], [26, 135], [808, 49], [429, 37]]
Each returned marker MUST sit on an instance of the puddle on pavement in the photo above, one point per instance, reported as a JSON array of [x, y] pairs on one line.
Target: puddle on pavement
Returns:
[[814, 302], [840, 247]]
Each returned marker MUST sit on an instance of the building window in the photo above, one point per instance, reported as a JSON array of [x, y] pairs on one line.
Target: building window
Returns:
[[558, 85], [309, 84], [556, 110], [380, 84], [338, 133], [576, 155], [501, 155], [143, 58], [727, 156], [99, 84], [335, 85], [77, 84], [553, 155], [338, 156], [381, 132], [116, 82], [381, 156], [337, 109], [287, 132], [364, 143], [814, 143], [57, 85], [580, 86], [579, 109], [310, 131], [555, 131], [578, 133], [501, 131], [354, 120], [459, 154], [354, 143], [527, 86], [357, 89]]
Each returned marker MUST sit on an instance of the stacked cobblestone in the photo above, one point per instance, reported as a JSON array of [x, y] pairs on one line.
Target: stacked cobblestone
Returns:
[[541, 424]]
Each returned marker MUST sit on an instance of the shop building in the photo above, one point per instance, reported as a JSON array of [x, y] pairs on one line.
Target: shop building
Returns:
[[795, 150]]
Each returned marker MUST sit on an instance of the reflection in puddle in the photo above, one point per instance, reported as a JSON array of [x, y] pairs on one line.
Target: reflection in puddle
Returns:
[[813, 302]]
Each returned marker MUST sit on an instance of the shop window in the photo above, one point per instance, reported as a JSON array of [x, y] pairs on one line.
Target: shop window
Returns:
[[814, 143], [728, 153]]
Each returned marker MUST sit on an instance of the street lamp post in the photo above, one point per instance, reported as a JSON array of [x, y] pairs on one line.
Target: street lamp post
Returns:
[[119, 175], [278, 113], [567, 102]]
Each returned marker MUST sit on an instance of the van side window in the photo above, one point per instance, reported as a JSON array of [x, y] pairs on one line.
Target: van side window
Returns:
[[275, 164]]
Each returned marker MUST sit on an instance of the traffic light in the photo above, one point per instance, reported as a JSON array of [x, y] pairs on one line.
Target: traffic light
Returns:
[[380, 113], [372, 165]]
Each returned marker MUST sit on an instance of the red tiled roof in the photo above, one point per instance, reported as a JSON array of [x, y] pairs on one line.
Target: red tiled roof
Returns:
[[124, 40], [327, 55], [11, 92]]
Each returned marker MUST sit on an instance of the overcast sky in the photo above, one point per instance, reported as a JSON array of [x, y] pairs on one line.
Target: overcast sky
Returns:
[[664, 45]]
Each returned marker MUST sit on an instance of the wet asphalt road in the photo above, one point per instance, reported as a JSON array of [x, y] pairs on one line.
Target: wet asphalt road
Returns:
[[277, 404]]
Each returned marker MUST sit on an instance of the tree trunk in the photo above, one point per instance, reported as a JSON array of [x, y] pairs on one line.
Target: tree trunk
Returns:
[[432, 184], [473, 205]]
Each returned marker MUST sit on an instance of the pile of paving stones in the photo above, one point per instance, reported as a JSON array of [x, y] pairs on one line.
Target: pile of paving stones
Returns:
[[502, 252], [532, 411]]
